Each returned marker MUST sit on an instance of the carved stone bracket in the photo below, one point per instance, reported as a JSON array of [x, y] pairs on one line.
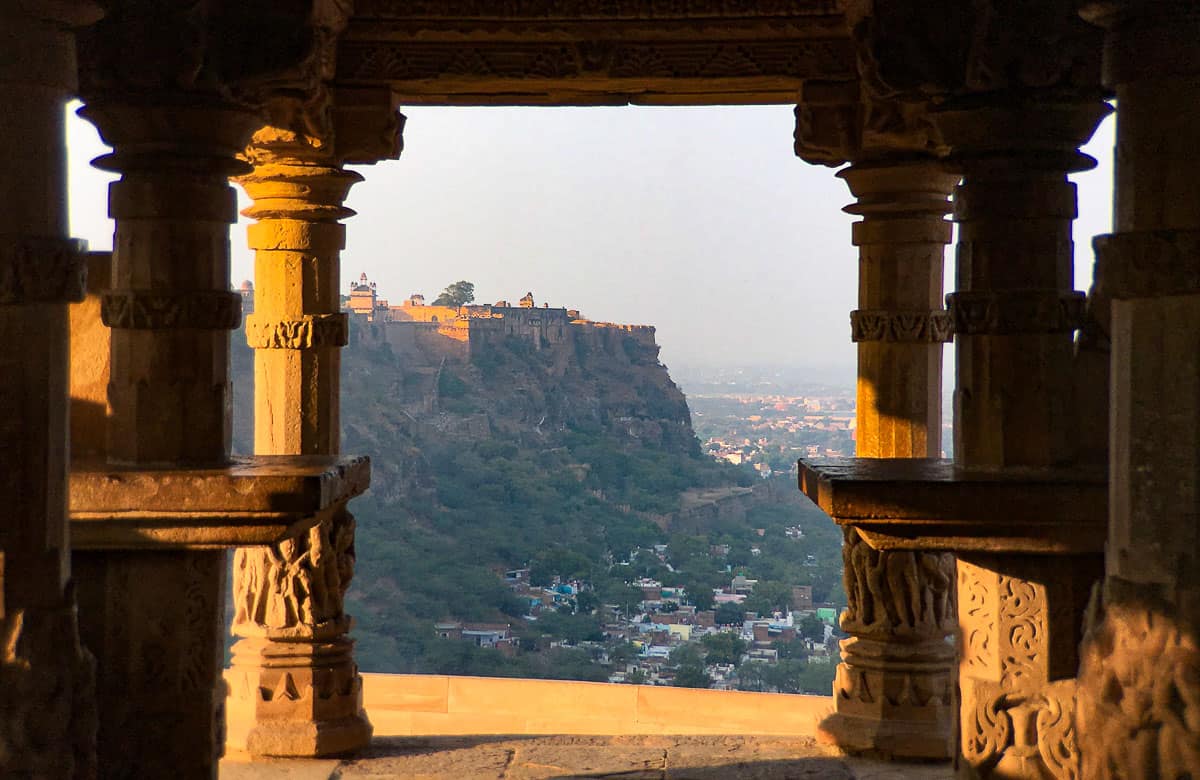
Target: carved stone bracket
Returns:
[[313, 331], [929, 327], [151, 310], [1148, 263], [42, 270], [999, 313]]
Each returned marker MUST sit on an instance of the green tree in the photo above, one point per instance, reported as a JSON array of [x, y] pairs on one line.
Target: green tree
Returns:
[[457, 294], [636, 677], [689, 676], [811, 627], [723, 648], [729, 614], [698, 593]]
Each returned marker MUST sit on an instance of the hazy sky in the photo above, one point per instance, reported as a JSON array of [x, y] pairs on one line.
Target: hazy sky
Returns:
[[699, 221]]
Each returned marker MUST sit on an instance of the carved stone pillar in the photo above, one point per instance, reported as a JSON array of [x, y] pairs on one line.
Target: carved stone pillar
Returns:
[[47, 709], [154, 618], [1139, 681], [894, 688], [1014, 316], [295, 687]]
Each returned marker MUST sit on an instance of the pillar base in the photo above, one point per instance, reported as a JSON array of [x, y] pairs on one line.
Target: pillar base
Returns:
[[893, 700], [295, 698], [889, 739]]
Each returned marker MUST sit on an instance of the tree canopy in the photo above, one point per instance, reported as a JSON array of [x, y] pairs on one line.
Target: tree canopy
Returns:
[[458, 294]]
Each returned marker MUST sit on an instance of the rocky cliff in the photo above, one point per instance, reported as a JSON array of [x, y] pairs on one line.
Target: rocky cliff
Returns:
[[568, 451]]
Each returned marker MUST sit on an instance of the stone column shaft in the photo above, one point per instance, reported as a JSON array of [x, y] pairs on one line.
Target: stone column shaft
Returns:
[[289, 641], [154, 618], [894, 689], [47, 715], [1014, 317], [1139, 700]]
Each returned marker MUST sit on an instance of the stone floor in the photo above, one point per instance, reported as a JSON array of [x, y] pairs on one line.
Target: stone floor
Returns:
[[628, 758]]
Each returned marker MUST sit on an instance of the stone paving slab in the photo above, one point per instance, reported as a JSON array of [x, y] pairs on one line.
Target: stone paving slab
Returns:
[[562, 757]]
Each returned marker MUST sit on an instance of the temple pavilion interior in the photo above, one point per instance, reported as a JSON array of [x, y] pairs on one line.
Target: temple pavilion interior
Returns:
[[1027, 609]]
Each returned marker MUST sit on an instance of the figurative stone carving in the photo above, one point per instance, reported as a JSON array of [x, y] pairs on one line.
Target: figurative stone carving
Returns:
[[296, 587], [898, 592]]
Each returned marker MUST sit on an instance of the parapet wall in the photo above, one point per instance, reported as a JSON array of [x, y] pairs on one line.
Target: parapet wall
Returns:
[[423, 705]]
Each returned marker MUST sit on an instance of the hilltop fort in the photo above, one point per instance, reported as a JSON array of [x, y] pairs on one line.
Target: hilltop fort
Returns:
[[466, 331]]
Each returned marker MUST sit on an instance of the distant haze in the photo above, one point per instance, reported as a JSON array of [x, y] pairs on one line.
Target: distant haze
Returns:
[[699, 221]]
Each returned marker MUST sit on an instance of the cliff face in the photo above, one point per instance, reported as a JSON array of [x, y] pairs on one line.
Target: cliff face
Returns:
[[527, 385], [562, 444]]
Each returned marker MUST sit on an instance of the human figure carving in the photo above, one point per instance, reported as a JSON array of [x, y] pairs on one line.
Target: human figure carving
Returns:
[[896, 591]]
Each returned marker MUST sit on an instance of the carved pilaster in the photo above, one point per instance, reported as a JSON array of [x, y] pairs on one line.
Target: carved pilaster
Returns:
[[296, 689], [1139, 680], [47, 696], [1016, 673]]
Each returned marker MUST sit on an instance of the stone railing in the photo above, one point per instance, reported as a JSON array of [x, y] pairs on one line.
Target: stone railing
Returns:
[[424, 705]]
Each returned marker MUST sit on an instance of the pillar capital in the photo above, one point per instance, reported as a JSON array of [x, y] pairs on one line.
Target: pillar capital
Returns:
[[847, 121]]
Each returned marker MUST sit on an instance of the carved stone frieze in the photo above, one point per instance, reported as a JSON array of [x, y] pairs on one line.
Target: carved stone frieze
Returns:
[[896, 594], [1147, 264], [313, 331], [42, 270], [590, 9], [562, 60], [295, 589], [932, 327], [152, 310], [998, 313]]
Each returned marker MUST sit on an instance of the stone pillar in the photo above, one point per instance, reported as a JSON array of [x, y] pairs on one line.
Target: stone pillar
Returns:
[[1014, 315], [292, 642], [1139, 697], [296, 643], [47, 710], [894, 689], [155, 618]]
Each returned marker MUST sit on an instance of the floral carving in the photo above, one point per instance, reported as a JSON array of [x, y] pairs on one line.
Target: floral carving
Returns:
[[1016, 722], [313, 331], [932, 327]]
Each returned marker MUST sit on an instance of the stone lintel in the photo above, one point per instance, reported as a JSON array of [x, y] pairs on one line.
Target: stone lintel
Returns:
[[572, 60], [253, 501], [928, 504]]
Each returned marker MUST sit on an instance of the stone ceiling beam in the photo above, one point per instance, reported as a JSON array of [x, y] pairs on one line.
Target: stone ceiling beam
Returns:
[[540, 53]]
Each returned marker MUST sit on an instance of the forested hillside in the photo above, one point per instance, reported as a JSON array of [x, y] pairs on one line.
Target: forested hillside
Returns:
[[573, 462]]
